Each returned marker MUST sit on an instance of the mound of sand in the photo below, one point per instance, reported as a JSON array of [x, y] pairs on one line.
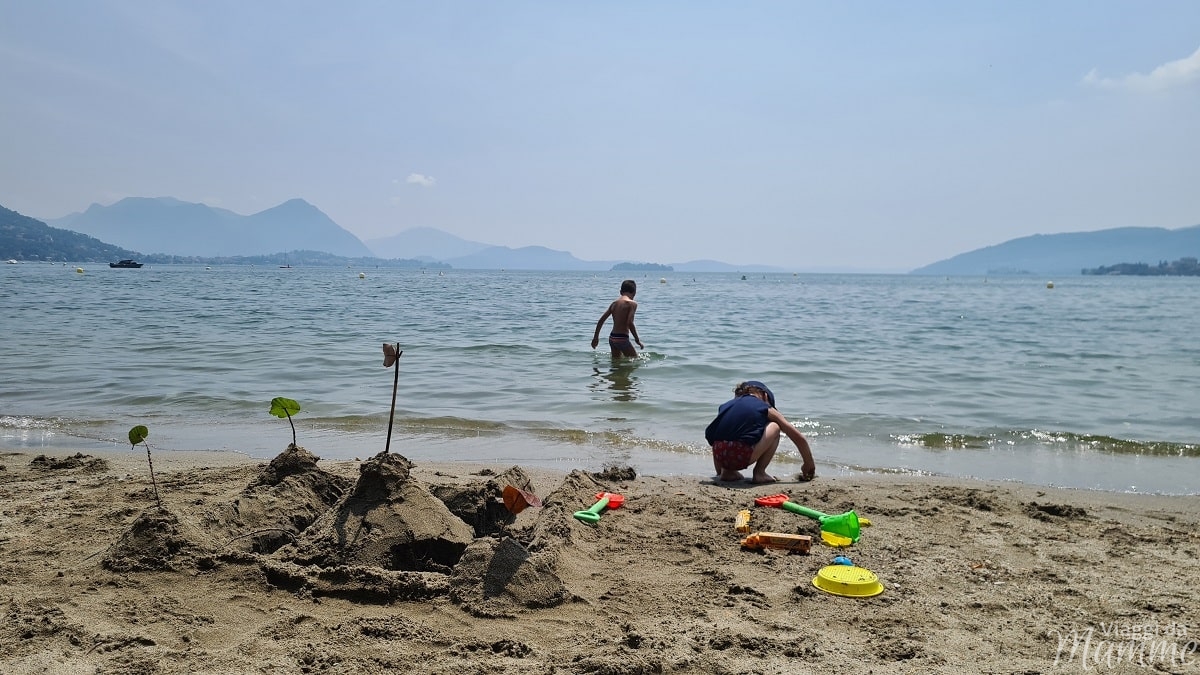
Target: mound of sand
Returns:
[[156, 541], [286, 497], [78, 461], [387, 520]]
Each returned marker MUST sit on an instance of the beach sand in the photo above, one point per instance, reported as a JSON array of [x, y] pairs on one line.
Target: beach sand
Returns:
[[303, 566]]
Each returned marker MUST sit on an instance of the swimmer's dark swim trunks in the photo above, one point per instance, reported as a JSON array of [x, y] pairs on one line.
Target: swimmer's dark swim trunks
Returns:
[[619, 341], [732, 455]]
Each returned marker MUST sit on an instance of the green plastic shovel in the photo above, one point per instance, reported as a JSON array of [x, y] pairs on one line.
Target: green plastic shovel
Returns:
[[843, 524], [604, 500]]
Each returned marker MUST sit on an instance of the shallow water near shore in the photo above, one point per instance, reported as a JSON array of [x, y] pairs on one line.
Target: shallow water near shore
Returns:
[[1088, 384]]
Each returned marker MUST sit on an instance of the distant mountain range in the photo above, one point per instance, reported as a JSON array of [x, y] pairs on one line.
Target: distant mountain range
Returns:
[[167, 225], [166, 229], [1072, 252], [431, 244], [427, 243]]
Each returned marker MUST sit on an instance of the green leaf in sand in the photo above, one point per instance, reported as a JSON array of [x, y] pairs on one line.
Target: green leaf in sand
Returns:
[[138, 434], [284, 407]]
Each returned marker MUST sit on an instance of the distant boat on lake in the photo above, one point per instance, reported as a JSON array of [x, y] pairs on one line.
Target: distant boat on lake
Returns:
[[126, 263]]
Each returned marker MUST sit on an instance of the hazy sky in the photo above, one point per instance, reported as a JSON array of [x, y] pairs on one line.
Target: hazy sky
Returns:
[[810, 135]]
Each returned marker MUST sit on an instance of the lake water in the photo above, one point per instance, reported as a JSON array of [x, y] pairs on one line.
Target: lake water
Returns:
[[1092, 383]]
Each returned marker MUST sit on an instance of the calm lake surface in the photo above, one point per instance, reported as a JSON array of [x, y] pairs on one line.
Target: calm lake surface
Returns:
[[1092, 383]]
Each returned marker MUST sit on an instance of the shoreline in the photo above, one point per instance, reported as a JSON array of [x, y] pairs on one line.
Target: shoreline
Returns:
[[978, 576], [644, 460], [875, 477]]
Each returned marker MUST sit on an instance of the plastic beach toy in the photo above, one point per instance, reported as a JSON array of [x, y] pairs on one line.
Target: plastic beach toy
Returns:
[[742, 522], [848, 581], [515, 499], [604, 500], [798, 543], [843, 560], [837, 540], [844, 525]]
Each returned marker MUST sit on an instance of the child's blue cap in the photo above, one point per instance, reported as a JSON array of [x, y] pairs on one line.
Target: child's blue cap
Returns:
[[759, 385]]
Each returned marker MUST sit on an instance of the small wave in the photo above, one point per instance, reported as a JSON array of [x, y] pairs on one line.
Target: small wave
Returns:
[[1062, 440], [28, 432], [494, 347], [27, 423], [451, 426], [1119, 446], [940, 441], [852, 469]]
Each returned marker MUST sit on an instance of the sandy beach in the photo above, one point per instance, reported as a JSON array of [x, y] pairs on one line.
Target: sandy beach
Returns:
[[305, 566]]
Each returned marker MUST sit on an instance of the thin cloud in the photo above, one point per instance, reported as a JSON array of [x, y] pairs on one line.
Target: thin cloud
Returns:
[[420, 179], [1169, 75]]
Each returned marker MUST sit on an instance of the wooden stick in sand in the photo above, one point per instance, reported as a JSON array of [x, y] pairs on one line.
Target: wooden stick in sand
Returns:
[[391, 356]]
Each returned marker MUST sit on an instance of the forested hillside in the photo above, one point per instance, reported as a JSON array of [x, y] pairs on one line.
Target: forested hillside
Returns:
[[23, 238]]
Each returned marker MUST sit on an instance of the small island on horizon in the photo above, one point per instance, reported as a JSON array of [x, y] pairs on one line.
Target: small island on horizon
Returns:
[[1184, 267]]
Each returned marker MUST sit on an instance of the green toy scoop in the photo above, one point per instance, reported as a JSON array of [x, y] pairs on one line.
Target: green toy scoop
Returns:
[[843, 524], [604, 500]]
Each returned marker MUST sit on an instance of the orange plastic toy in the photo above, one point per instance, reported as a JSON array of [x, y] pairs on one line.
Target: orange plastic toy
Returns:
[[798, 543]]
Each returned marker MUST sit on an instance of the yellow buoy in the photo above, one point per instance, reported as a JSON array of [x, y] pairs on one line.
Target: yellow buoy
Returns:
[[1049, 284], [79, 270]]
